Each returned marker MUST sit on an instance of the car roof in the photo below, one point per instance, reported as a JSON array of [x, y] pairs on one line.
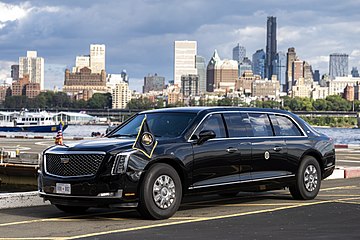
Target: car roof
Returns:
[[211, 109]]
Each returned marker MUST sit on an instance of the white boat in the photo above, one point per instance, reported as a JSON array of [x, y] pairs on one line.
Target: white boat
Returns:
[[25, 121]]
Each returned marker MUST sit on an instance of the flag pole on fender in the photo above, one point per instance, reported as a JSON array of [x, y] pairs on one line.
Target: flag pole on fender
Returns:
[[145, 141], [59, 135]]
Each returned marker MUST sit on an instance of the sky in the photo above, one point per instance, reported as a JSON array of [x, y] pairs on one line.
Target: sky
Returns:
[[139, 34]]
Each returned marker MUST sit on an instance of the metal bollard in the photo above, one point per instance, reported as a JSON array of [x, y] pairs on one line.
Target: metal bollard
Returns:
[[2, 155]]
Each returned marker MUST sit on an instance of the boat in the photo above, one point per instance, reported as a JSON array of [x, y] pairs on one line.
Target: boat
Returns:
[[25, 121]]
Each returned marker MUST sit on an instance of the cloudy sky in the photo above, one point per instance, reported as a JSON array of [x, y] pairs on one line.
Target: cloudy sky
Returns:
[[139, 34]]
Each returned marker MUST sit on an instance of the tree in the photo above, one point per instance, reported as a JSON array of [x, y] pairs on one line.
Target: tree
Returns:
[[99, 101]]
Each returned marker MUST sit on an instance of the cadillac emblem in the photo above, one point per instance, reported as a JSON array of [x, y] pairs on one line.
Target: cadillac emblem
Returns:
[[64, 160]]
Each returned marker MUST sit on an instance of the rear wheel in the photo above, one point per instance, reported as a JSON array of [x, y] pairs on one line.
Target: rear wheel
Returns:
[[160, 192], [72, 209], [308, 180]]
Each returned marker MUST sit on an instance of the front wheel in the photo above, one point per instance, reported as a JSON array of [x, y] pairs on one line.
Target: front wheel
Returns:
[[160, 192], [308, 180]]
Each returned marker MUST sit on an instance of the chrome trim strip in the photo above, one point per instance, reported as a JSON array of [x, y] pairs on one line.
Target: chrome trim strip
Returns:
[[242, 111], [60, 152], [235, 182], [44, 194], [327, 168]]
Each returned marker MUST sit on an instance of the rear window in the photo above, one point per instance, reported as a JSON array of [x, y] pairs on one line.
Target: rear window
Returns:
[[260, 124], [284, 126], [238, 124]]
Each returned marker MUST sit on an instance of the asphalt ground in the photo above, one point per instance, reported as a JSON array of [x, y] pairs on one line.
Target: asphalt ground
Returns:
[[334, 214]]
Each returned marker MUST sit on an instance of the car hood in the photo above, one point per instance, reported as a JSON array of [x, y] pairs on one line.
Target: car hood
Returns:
[[96, 145]]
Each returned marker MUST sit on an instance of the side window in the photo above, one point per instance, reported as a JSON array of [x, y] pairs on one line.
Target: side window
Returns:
[[238, 124], [283, 126], [213, 122], [260, 124]]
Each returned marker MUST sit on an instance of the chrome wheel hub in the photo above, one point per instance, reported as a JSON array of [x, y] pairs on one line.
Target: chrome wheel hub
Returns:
[[310, 178], [164, 191]]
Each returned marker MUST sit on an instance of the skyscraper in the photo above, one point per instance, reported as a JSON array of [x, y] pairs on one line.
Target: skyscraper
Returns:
[[97, 58], [291, 57], [271, 46], [153, 83], [280, 69], [33, 66], [245, 65], [184, 59], [338, 65], [354, 72], [201, 70], [316, 75], [239, 53], [258, 63]]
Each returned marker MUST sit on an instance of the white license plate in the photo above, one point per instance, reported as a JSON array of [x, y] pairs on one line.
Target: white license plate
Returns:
[[63, 188]]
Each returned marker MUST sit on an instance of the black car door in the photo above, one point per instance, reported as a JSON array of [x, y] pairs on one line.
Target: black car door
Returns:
[[269, 153], [215, 160]]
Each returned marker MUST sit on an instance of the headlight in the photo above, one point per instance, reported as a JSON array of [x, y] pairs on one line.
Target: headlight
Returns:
[[121, 163]]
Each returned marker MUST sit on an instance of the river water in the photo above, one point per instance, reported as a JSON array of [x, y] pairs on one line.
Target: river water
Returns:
[[340, 135]]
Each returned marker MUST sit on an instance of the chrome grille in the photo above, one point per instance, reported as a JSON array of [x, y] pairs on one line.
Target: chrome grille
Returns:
[[73, 165]]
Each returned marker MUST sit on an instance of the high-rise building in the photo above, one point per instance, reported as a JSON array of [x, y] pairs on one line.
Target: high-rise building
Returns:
[[201, 70], [184, 59], [245, 65], [81, 62], [121, 95], [189, 85], [354, 72], [338, 65], [97, 58], [297, 70], [316, 75], [15, 72], [153, 83], [239, 53], [280, 69], [291, 57], [258, 63], [33, 66], [271, 46], [221, 74]]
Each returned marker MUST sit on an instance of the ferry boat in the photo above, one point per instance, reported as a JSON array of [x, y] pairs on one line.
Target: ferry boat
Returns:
[[25, 121]]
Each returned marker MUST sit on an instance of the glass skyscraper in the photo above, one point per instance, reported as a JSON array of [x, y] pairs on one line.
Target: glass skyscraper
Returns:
[[280, 69], [239, 53], [271, 46], [201, 70], [338, 65], [258, 63]]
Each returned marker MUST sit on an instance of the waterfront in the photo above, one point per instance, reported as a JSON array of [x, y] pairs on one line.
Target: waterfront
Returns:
[[340, 135]]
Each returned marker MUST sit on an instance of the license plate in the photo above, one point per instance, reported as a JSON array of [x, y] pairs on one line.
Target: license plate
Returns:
[[63, 188]]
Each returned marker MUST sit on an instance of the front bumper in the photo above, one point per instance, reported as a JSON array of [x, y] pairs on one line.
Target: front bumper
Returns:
[[90, 192]]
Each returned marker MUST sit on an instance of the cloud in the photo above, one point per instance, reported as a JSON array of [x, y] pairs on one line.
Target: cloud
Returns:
[[139, 34]]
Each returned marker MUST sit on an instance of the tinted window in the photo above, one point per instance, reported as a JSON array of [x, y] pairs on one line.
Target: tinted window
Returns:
[[260, 124], [160, 124], [213, 122], [238, 124], [283, 126]]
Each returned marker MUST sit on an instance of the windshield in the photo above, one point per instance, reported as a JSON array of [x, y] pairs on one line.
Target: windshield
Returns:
[[166, 125]]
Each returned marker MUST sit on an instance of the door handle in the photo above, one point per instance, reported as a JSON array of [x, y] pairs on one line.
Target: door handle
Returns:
[[231, 150], [277, 149]]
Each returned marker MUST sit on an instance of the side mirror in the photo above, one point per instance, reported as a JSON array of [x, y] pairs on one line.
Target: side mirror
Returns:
[[205, 135]]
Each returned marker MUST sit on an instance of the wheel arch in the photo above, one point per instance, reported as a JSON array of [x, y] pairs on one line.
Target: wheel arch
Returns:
[[317, 155], [179, 168]]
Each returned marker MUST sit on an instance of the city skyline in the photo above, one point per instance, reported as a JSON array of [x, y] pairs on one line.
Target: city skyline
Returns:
[[141, 41]]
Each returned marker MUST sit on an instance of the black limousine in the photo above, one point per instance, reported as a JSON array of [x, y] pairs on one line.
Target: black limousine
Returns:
[[155, 157]]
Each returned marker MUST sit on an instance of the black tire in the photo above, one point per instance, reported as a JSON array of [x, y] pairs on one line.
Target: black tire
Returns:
[[308, 180], [152, 191], [72, 209]]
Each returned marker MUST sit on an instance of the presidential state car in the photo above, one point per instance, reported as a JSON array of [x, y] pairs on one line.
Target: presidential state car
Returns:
[[156, 157]]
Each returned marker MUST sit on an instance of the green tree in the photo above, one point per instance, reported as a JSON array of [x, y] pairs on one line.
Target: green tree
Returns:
[[98, 101]]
